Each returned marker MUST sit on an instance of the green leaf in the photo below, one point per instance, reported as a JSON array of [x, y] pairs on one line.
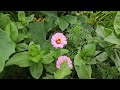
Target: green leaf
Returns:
[[29, 18], [48, 77], [34, 49], [21, 47], [102, 57], [63, 24], [34, 52], [47, 45], [35, 59], [76, 30], [63, 51], [51, 68], [83, 71], [50, 13], [25, 23], [2, 64], [112, 39], [36, 70], [49, 23], [63, 71], [21, 37], [114, 54], [21, 59], [4, 20], [71, 19], [7, 47], [60, 52], [47, 59], [89, 50], [12, 30], [103, 43], [19, 25], [102, 31], [90, 61], [38, 34], [117, 23], [21, 16], [7, 28]]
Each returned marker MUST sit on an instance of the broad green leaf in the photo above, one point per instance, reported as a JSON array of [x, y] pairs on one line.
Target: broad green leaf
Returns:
[[2, 64], [117, 23], [114, 54], [49, 23], [47, 45], [21, 47], [102, 57], [36, 70], [19, 25], [51, 68], [102, 31], [63, 71], [60, 52], [103, 43], [47, 59], [7, 28], [29, 18], [21, 59], [112, 39], [89, 50], [37, 31], [90, 61], [7, 47], [83, 71], [34, 52], [50, 13], [63, 24], [21, 37], [4, 20], [12, 30], [71, 19], [35, 59], [21, 16], [63, 51], [48, 77], [34, 49], [25, 23]]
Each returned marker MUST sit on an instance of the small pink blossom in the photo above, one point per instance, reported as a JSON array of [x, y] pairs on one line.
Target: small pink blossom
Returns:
[[58, 40], [61, 59]]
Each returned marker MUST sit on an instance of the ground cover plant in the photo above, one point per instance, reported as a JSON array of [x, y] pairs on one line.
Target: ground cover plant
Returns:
[[59, 44]]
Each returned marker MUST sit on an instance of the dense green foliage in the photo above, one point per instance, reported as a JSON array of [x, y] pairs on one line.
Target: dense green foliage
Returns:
[[93, 44]]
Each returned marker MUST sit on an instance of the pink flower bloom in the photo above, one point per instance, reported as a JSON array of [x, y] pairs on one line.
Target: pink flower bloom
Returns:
[[61, 59], [58, 40]]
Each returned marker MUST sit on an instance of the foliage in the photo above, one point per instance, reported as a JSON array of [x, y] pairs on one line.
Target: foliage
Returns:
[[93, 44]]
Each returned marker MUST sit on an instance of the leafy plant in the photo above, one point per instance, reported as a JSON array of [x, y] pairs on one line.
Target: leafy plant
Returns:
[[93, 44]]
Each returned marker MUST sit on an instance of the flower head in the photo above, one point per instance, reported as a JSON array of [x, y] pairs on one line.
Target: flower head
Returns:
[[61, 59], [58, 40]]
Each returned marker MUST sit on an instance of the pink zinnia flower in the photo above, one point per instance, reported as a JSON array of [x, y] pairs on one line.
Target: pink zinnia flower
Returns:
[[61, 59], [58, 40]]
